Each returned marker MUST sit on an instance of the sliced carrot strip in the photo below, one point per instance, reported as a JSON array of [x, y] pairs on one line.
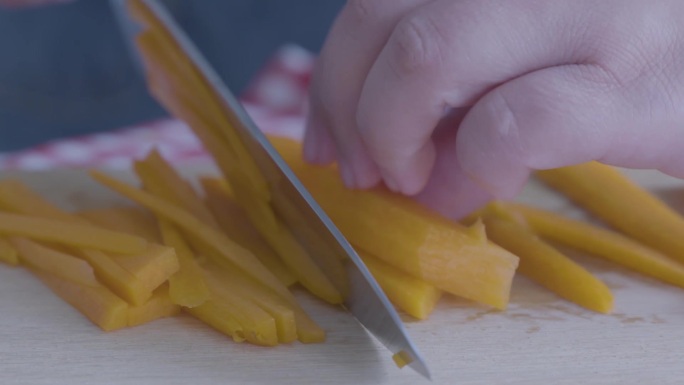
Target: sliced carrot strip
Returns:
[[214, 239], [237, 226], [237, 283], [187, 287], [308, 331], [602, 243], [8, 254], [54, 262], [607, 193], [17, 197], [219, 315], [115, 277], [263, 218], [97, 303], [126, 219], [153, 267], [410, 294], [299, 262], [70, 233], [195, 84], [550, 268], [408, 236], [158, 307], [259, 326], [160, 179], [261, 214]]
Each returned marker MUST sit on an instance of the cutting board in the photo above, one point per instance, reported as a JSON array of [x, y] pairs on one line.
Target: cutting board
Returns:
[[540, 339]]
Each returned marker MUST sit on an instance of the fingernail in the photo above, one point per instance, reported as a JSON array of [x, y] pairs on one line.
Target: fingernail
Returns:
[[347, 175]]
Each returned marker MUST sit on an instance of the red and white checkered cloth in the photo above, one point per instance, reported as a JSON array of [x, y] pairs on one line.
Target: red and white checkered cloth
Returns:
[[275, 100]]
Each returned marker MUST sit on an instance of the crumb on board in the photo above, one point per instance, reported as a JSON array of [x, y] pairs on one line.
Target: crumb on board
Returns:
[[402, 359]]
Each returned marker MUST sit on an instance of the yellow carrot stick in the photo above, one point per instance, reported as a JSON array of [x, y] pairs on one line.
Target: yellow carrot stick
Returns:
[[549, 267], [293, 254], [235, 223], [8, 254], [214, 239], [150, 268], [126, 219], [281, 240], [602, 243], [308, 331], [410, 294], [299, 262], [408, 236], [122, 282], [259, 326], [97, 303], [15, 196], [169, 97], [219, 316], [160, 179], [153, 267], [70, 233], [54, 262], [607, 193], [196, 85], [158, 306], [187, 287], [237, 283], [131, 285]]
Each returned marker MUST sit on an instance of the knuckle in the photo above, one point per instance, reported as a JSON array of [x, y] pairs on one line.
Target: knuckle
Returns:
[[507, 119], [648, 67], [506, 125], [416, 45]]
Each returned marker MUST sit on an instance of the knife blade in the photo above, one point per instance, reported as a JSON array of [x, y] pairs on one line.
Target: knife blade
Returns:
[[294, 205]]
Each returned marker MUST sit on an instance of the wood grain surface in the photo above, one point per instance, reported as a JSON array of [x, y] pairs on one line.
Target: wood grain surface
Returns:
[[540, 339]]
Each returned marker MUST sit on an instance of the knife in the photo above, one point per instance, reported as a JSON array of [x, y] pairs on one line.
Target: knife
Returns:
[[295, 206]]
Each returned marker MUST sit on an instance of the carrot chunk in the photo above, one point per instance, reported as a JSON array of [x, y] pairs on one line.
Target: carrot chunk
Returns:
[[409, 237]]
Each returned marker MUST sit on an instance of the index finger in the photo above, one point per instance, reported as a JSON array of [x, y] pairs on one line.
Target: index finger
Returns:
[[354, 42]]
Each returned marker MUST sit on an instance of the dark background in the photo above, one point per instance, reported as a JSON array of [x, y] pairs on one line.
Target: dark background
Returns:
[[65, 70]]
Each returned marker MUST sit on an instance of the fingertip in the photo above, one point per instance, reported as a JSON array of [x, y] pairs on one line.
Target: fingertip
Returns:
[[318, 146], [369, 177], [488, 153], [358, 172], [347, 175], [409, 175], [503, 187], [455, 201], [450, 191]]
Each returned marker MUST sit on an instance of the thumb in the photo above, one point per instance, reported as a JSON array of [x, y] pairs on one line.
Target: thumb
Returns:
[[561, 116]]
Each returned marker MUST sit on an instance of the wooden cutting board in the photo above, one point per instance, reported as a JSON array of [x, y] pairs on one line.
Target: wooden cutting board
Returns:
[[540, 339]]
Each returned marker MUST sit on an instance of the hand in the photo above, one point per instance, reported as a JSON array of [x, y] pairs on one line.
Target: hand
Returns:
[[456, 101]]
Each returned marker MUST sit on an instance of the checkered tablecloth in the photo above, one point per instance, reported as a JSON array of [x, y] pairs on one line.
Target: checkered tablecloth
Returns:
[[275, 100]]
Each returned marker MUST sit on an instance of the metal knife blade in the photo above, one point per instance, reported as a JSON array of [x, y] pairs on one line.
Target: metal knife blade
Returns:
[[295, 206]]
